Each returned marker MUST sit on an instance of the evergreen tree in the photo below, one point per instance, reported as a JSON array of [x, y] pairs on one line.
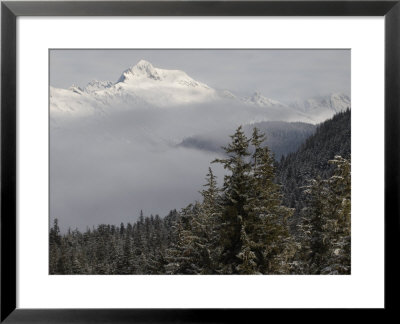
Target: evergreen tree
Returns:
[[184, 255], [211, 198], [325, 226], [207, 225], [234, 199], [266, 224], [254, 232], [339, 224]]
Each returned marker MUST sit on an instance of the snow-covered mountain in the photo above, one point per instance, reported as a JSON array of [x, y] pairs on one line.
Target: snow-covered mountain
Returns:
[[139, 85], [323, 107], [335, 102], [164, 87], [259, 100], [96, 85], [144, 85]]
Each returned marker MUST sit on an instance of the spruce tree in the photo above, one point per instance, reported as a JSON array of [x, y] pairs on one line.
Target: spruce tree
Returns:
[[266, 223], [206, 226], [314, 217], [184, 254], [325, 227], [234, 199]]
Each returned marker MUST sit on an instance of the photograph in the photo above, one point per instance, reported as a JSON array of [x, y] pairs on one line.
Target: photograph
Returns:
[[199, 161]]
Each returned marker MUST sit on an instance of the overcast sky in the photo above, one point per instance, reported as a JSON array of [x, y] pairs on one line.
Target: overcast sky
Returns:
[[279, 74]]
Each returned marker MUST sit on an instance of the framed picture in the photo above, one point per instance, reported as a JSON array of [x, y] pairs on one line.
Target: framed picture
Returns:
[[208, 163]]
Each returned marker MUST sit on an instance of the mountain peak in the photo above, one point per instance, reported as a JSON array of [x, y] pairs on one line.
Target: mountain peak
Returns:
[[258, 99], [143, 64], [143, 69]]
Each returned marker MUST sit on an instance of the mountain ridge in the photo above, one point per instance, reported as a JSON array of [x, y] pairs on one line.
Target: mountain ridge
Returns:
[[144, 84]]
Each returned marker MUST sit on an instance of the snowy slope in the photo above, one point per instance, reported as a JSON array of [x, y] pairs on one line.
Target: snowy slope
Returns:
[[323, 107], [259, 100]]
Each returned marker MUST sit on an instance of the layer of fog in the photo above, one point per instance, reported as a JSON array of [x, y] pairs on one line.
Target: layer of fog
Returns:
[[107, 167]]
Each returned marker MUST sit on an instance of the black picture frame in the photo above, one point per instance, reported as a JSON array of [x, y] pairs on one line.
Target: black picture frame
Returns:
[[11, 10]]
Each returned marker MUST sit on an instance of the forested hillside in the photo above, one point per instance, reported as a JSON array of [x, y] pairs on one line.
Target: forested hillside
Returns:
[[108, 249], [242, 227], [282, 138], [311, 160]]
